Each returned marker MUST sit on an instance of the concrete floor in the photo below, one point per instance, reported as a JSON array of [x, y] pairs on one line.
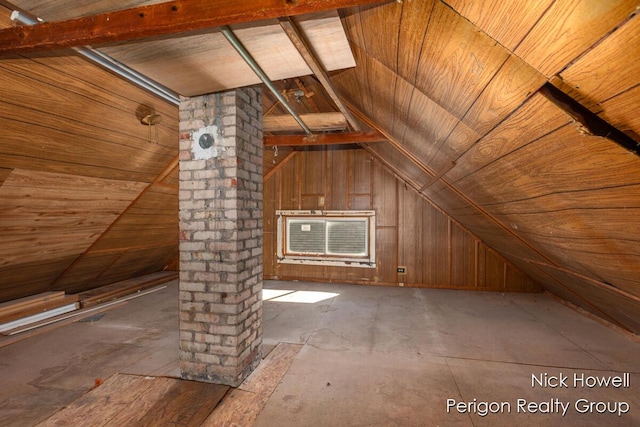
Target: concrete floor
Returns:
[[372, 356], [42, 374]]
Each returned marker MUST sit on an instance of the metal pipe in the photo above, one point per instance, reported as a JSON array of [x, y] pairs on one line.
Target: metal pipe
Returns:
[[111, 64], [129, 73], [231, 38]]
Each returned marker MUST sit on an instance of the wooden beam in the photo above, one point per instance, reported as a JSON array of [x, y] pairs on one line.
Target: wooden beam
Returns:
[[323, 139], [305, 50], [440, 174], [280, 165], [393, 141], [156, 20], [318, 122], [393, 170], [589, 122], [307, 95]]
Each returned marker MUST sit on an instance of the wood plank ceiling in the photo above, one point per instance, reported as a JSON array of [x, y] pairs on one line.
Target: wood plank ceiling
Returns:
[[455, 88], [460, 99]]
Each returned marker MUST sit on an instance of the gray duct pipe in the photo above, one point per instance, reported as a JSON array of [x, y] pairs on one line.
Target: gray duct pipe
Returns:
[[111, 64]]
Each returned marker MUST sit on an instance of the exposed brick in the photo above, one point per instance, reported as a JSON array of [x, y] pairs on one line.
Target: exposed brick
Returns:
[[206, 318], [193, 326], [227, 308], [204, 194], [185, 145], [192, 226], [205, 174], [223, 330], [208, 338], [209, 359], [191, 205], [221, 238], [185, 296], [205, 236], [192, 165], [192, 286], [193, 347], [223, 287], [206, 277], [193, 266], [223, 350], [206, 297]]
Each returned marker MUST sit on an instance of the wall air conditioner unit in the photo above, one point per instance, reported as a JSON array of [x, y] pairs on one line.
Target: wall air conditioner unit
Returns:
[[340, 238]]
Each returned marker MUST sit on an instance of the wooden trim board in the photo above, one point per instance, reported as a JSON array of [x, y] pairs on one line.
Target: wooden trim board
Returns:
[[125, 287], [37, 317], [20, 304], [37, 308]]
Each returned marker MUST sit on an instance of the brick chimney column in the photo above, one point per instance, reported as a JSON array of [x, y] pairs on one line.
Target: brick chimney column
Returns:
[[221, 236]]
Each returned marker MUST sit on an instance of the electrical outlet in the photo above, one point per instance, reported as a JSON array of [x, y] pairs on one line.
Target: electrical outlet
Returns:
[[402, 270]]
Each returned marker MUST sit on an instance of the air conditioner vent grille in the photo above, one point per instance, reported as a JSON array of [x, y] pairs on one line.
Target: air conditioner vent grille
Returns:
[[327, 237]]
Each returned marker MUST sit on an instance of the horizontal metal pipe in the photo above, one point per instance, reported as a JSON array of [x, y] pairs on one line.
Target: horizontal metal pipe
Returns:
[[111, 64], [129, 74], [231, 38]]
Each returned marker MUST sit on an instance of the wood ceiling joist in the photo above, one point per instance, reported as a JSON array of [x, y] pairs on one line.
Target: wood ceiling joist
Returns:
[[323, 139], [313, 106], [393, 169], [590, 123], [156, 20], [318, 122], [306, 52]]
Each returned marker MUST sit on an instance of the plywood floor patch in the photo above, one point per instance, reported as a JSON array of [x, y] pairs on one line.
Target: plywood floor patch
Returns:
[[242, 406], [160, 401], [142, 401]]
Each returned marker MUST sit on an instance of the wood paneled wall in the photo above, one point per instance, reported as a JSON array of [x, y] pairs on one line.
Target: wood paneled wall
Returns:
[[85, 198], [456, 87], [410, 232]]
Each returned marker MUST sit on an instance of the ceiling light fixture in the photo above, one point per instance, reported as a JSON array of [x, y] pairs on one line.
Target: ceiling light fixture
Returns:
[[149, 120]]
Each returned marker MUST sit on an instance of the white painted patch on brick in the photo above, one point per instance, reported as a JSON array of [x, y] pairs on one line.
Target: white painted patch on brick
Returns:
[[204, 153]]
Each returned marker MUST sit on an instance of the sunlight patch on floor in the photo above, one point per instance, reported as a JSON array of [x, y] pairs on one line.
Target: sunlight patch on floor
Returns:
[[305, 297]]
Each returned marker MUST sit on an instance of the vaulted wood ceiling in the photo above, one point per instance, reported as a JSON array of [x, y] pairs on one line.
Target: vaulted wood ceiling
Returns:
[[468, 97]]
